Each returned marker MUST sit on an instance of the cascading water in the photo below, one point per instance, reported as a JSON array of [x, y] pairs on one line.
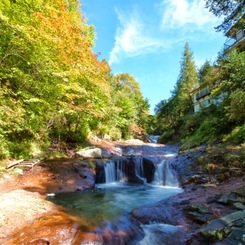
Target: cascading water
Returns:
[[139, 168], [107, 207], [110, 170], [164, 175], [116, 171], [120, 171]]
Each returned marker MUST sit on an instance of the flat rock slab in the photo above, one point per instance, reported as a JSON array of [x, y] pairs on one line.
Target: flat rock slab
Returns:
[[19, 208]]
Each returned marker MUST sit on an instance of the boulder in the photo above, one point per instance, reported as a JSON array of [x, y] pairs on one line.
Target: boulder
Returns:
[[199, 213], [90, 152], [230, 227]]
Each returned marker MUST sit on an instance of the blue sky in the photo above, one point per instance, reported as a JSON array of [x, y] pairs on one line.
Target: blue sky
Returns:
[[146, 38]]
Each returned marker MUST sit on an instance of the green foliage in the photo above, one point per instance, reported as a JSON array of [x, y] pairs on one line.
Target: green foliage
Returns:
[[171, 114], [52, 87], [236, 108], [222, 120], [237, 135], [231, 10], [128, 112]]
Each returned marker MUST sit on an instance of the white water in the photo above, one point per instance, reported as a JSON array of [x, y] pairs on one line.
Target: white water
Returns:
[[161, 234], [139, 168], [153, 138], [164, 175], [110, 202], [110, 172]]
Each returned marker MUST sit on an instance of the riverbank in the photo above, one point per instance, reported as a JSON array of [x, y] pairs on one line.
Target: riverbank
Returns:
[[26, 217], [211, 209]]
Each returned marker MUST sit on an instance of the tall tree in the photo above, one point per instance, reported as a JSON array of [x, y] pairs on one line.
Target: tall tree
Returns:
[[171, 114], [187, 81]]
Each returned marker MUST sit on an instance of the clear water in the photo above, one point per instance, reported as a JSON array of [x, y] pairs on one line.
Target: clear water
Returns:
[[108, 202]]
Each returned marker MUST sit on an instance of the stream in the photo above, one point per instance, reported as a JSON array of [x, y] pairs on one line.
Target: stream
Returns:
[[125, 185]]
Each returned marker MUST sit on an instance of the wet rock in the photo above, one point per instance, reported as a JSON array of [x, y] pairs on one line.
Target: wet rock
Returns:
[[57, 228], [234, 196], [197, 179], [124, 231], [239, 205], [185, 168], [170, 213], [199, 213], [231, 226]]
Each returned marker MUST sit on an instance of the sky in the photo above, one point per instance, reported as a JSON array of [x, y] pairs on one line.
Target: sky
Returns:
[[146, 39]]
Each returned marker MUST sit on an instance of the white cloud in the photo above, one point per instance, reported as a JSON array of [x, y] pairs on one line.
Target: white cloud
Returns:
[[179, 21], [186, 13], [132, 38]]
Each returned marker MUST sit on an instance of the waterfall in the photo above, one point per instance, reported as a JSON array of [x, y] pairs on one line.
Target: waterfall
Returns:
[[114, 171], [164, 175], [153, 138], [110, 172], [121, 171], [139, 168]]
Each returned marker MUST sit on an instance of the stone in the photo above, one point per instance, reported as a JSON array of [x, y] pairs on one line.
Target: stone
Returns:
[[219, 229], [235, 196], [239, 205], [90, 152], [199, 213], [238, 234]]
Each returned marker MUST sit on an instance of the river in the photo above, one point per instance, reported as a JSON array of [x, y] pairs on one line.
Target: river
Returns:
[[106, 209]]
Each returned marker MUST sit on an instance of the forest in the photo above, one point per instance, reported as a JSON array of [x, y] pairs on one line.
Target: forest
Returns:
[[223, 120], [54, 91]]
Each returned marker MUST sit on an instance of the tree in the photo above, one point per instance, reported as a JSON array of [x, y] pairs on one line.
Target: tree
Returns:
[[51, 83], [232, 10], [171, 114], [187, 81], [133, 108], [233, 84]]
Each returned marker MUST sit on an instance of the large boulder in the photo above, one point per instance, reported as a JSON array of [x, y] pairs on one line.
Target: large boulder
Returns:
[[90, 152]]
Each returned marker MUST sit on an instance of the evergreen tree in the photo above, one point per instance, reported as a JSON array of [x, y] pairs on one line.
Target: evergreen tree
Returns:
[[187, 81], [171, 114]]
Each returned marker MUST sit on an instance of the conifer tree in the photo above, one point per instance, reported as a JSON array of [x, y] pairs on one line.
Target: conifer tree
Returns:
[[187, 81]]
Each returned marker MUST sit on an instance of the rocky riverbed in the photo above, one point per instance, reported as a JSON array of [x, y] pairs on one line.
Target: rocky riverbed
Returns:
[[211, 209]]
